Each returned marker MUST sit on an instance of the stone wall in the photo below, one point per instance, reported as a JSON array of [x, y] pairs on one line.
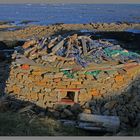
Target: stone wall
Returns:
[[46, 88]]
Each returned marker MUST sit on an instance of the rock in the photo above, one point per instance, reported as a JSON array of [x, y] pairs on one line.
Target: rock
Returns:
[[68, 123], [121, 72], [106, 112], [47, 89], [58, 107], [49, 58], [56, 114], [124, 119], [76, 108], [110, 105], [68, 112], [87, 105], [87, 111], [122, 133], [3, 106], [25, 109], [28, 44], [124, 126], [63, 115], [41, 114], [2, 56]]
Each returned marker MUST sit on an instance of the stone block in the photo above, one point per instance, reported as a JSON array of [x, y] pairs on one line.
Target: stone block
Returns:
[[76, 83], [19, 75], [71, 86], [37, 73], [57, 80], [43, 84], [16, 89], [41, 96], [118, 79], [94, 92], [34, 96], [58, 75]]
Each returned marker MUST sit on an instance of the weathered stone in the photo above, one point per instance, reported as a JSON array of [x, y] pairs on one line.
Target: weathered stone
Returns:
[[110, 105], [124, 119], [76, 108], [87, 111], [63, 115], [123, 133], [48, 89], [56, 114], [119, 79], [28, 44], [106, 112], [68, 112]]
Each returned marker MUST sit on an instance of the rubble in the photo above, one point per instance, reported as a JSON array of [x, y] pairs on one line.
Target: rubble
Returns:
[[74, 50]]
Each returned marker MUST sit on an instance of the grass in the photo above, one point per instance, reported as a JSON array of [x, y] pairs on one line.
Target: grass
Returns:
[[14, 124]]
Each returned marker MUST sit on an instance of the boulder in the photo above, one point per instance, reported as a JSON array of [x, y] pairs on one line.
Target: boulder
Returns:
[[76, 108], [68, 112], [87, 111], [110, 105]]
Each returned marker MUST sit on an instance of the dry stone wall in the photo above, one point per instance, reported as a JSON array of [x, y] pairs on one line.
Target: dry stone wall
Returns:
[[46, 88]]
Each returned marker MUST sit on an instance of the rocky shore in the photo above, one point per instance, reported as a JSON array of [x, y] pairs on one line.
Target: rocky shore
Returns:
[[31, 31]]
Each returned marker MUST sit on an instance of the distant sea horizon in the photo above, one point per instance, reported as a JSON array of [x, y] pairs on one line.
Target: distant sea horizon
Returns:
[[72, 1], [49, 13]]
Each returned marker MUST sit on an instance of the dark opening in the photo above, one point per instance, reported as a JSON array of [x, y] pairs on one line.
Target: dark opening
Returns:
[[70, 96]]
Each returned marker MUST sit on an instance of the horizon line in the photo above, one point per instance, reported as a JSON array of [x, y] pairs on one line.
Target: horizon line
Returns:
[[68, 3]]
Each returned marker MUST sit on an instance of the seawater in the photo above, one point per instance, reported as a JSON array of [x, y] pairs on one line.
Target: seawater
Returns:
[[70, 13]]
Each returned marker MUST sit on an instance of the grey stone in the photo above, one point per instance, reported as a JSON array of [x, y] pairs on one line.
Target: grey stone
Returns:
[[76, 108], [56, 114], [68, 112], [87, 111], [110, 105]]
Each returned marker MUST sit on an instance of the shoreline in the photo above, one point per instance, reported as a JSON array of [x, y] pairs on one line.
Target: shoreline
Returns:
[[39, 31]]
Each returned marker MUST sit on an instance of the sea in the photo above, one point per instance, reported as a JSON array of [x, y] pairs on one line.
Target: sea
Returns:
[[45, 14]]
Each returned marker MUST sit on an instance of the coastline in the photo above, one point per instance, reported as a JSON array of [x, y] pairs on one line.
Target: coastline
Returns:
[[39, 31]]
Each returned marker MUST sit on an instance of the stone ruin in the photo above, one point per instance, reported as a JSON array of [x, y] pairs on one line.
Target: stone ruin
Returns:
[[68, 70]]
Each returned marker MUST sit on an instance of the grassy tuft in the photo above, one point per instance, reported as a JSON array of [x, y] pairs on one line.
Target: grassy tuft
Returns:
[[14, 124]]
